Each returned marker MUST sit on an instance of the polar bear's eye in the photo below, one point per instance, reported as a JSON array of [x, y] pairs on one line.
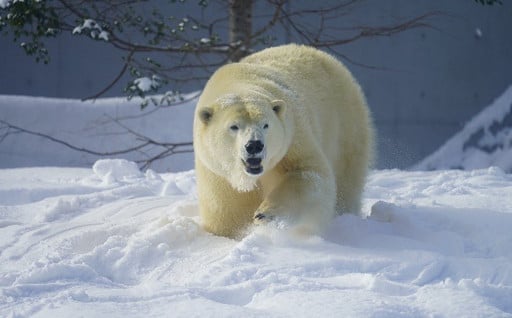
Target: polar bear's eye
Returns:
[[265, 126], [234, 127]]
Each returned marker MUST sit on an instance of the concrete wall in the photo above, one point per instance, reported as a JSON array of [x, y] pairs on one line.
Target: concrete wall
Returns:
[[422, 85], [435, 79]]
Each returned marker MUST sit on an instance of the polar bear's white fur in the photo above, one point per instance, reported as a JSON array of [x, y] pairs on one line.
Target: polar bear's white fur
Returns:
[[285, 134]]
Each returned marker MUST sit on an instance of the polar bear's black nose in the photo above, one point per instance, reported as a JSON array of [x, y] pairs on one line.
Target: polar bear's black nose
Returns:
[[254, 147]]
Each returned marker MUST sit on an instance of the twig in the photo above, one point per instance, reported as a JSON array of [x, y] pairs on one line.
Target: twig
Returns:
[[116, 79], [170, 148]]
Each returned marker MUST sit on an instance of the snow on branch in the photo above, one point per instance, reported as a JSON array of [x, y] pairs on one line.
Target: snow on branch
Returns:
[[4, 4], [95, 30]]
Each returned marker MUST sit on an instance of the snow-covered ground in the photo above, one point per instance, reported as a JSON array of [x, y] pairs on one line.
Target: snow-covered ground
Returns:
[[115, 242], [107, 240]]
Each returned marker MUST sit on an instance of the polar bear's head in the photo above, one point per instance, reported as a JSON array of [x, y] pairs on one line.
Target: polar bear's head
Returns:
[[241, 138]]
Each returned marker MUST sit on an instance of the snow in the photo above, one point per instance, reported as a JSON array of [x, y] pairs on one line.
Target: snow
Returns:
[[486, 140], [146, 84], [105, 239], [112, 241], [95, 30], [478, 33], [114, 170], [205, 41], [4, 3]]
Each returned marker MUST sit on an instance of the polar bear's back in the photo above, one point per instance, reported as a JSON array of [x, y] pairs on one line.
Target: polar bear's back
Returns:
[[324, 84], [333, 111], [301, 63], [329, 95]]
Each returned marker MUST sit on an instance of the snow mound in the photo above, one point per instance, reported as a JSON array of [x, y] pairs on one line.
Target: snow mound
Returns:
[[113, 170], [432, 244], [485, 141]]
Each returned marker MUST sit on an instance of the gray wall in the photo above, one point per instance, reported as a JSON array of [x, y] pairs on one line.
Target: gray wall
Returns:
[[435, 79], [422, 85]]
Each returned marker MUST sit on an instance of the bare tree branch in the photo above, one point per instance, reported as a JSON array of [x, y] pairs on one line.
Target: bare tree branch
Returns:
[[365, 32], [116, 79], [199, 42], [275, 18], [144, 142], [193, 46]]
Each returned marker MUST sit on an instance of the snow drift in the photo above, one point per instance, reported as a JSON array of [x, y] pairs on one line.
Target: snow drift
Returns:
[[485, 141], [112, 241]]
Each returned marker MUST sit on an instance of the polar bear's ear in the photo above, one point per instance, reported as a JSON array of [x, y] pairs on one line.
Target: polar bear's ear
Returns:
[[205, 115], [278, 106]]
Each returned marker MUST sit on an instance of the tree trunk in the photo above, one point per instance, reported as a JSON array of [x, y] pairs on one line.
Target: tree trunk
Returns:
[[240, 28]]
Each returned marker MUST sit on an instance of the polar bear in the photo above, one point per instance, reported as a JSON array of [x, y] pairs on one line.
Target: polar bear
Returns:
[[284, 135]]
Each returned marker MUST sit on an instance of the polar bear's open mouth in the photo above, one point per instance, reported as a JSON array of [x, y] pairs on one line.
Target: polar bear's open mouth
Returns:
[[253, 166]]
